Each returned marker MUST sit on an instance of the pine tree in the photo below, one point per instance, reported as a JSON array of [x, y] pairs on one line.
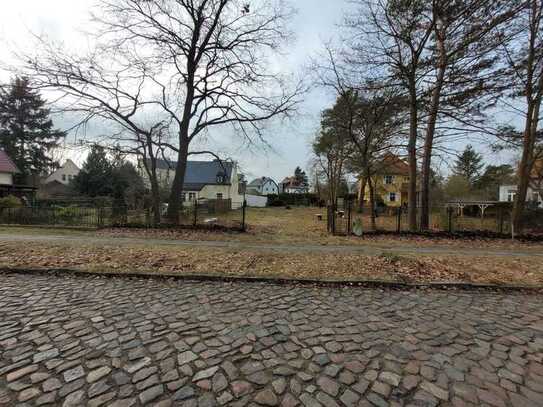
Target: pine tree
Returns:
[[95, 178], [469, 165], [26, 130], [301, 177]]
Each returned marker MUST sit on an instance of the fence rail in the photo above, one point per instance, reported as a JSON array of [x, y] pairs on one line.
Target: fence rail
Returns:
[[205, 214], [344, 220]]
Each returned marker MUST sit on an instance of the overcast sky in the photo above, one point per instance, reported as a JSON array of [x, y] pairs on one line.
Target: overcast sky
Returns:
[[290, 144]]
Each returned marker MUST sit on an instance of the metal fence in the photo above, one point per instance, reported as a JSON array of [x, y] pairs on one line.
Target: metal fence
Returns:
[[346, 220], [197, 214]]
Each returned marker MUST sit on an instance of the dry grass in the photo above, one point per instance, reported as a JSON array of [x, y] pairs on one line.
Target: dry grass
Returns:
[[186, 261], [300, 225]]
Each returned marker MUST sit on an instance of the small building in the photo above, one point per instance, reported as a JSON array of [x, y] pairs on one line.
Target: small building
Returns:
[[391, 182], [509, 192], [263, 186], [291, 185], [8, 171], [64, 175], [203, 180]]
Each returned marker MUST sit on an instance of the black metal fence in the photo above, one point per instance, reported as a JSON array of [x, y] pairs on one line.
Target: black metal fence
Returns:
[[198, 214], [344, 219]]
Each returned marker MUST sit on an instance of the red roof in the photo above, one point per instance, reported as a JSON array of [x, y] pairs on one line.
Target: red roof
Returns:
[[391, 164], [6, 164]]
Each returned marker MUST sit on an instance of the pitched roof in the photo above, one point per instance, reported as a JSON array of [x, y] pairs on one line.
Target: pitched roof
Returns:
[[259, 181], [201, 173], [6, 164], [391, 164]]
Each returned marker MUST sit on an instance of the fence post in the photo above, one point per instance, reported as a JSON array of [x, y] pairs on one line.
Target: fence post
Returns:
[[398, 219], [195, 207], [349, 216], [449, 218], [243, 209]]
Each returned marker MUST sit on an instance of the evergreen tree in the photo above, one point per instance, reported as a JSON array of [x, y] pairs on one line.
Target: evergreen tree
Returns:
[[469, 165], [301, 176], [96, 176], [494, 176], [26, 130]]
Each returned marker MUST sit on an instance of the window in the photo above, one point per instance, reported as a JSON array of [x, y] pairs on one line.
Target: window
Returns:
[[392, 197], [192, 196], [406, 179], [389, 179], [219, 195], [511, 195], [63, 177], [183, 197]]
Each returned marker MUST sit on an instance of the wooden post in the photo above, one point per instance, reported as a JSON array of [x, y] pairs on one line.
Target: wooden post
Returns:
[[398, 220], [195, 221], [243, 209]]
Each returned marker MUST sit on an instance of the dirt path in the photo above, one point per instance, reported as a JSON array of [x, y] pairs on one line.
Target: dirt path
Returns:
[[283, 248]]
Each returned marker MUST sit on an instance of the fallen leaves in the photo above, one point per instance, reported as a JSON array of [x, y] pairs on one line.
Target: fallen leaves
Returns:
[[213, 261]]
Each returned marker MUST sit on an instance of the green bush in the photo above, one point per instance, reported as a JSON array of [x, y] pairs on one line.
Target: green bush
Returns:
[[10, 201]]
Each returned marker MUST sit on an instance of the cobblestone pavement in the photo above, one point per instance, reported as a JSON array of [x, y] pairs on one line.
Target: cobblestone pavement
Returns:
[[81, 340]]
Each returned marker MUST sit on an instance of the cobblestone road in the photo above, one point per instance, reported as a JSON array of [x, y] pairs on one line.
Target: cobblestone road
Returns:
[[80, 340]]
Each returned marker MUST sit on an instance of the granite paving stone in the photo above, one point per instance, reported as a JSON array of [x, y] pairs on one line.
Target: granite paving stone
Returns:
[[75, 340]]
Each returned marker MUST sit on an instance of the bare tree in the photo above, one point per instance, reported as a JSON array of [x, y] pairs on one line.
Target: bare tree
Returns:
[[214, 56], [202, 64], [525, 58], [464, 79], [391, 38], [332, 149]]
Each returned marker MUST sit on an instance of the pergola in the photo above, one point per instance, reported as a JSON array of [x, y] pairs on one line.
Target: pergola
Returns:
[[460, 204]]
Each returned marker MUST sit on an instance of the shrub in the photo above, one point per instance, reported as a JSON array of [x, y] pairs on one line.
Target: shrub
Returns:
[[10, 201]]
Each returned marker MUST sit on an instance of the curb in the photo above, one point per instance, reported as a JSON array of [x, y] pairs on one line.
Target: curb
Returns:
[[334, 283]]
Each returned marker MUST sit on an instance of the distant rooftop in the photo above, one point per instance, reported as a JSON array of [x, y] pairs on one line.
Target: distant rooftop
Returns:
[[6, 164]]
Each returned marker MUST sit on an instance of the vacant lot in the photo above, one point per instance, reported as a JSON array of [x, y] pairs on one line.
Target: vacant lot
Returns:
[[386, 258]]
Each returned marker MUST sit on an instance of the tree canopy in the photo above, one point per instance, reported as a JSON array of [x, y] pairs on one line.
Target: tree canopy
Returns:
[[27, 132]]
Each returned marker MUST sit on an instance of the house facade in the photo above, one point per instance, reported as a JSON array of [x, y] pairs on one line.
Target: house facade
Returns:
[[508, 193], [291, 185], [263, 186], [8, 186], [391, 182], [7, 170], [534, 194], [203, 180], [65, 174]]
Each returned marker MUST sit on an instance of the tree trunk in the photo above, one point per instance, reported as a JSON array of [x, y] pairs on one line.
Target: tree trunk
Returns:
[[372, 205], [525, 165], [429, 139], [362, 194], [155, 202], [174, 201], [412, 156], [533, 98]]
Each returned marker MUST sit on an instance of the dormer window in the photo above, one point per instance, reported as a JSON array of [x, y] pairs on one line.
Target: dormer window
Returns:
[[221, 179], [389, 179]]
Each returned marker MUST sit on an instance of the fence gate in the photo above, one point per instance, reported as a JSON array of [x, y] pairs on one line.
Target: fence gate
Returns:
[[340, 218]]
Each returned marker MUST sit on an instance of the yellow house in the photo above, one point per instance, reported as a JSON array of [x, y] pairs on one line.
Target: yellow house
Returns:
[[390, 182]]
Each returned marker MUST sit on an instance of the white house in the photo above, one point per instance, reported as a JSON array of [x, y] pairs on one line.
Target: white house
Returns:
[[64, 174], [290, 185], [508, 193], [204, 180], [263, 186]]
